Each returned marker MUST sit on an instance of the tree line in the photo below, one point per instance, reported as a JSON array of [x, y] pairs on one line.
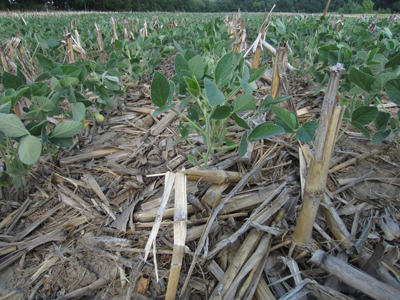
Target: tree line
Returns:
[[300, 6]]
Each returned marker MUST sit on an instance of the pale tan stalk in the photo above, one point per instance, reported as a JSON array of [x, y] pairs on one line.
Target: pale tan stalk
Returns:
[[180, 231], [330, 121], [99, 42]]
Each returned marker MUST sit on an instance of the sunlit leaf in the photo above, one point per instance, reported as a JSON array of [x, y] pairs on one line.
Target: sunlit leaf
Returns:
[[364, 114], [264, 131], [29, 149], [214, 95], [159, 89]]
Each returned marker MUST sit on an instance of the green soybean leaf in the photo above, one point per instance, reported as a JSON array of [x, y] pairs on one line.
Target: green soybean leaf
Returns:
[[66, 129], [257, 73], [246, 87], [214, 95], [112, 63], [193, 160], [29, 149], [35, 112], [78, 111], [222, 112], [43, 76], [161, 110], [112, 78], [45, 104], [57, 72], [306, 132], [288, 117], [21, 75], [159, 89], [364, 114], [11, 81], [111, 85], [180, 64], [193, 114], [5, 108], [381, 120], [66, 81], [184, 130], [62, 142], [12, 126], [189, 54], [71, 95], [361, 79], [45, 63], [182, 85], [196, 65], [224, 68], [193, 86], [381, 80], [393, 90], [245, 73], [38, 89], [394, 123], [72, 71], [394, 62], [171, 92], [52, 42], [178, 46], [229, 143], [380, 136], [35, 128], [13, 99], [113, 75], [278, 121], [264, 131], [243, 145], [83, 74], [104, 97], [361, 128], [4, 179], [243, 103], [240, 121]]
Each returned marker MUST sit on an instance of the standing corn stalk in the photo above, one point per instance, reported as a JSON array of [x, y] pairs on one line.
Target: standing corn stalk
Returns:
[[115, 37], [143, 30], [326, 8], [99, 42], [70, 50], [77, 42], [330, 120], [257, 48], [240, 33], [3, 58], [260, 43]]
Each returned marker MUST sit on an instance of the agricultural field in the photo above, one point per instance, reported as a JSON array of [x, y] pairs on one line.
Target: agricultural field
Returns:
[[199, 156]]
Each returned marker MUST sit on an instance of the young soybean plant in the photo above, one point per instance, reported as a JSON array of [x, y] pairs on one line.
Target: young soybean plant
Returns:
[[206, 92]]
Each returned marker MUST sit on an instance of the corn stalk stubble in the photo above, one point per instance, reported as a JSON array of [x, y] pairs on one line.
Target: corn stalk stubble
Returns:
[[331, 116]]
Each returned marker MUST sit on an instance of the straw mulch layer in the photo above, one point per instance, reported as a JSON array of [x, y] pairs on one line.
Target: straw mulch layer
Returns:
[[114, 216]]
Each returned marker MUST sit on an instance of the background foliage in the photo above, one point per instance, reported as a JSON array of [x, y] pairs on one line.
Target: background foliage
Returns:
[[306, 6]]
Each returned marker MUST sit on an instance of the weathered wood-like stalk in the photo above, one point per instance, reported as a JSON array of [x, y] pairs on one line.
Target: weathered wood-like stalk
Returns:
[[114, 22], [261, 35], [326, 8], [70, 49], [331, 117], [3, 58], [354, 277], [99, 42], [280, 81], [180, 231]]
